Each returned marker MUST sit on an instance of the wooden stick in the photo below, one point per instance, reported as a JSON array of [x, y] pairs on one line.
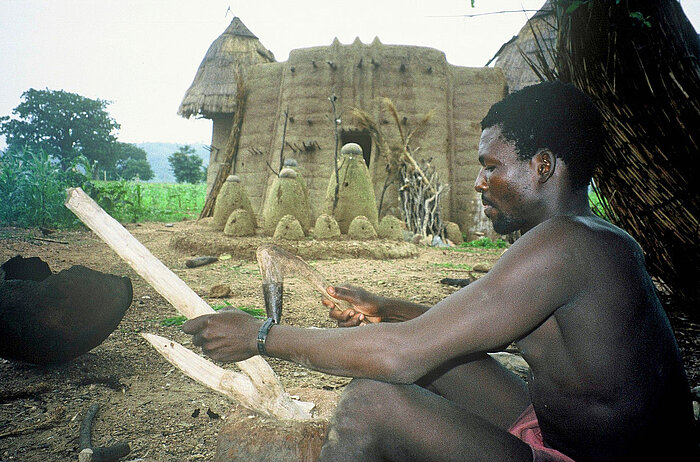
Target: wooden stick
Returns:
[[263, 399], [164, 281], [159, 276], [230, 150]]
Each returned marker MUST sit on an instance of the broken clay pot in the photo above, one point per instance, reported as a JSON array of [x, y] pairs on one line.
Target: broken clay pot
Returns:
[[52, 318]]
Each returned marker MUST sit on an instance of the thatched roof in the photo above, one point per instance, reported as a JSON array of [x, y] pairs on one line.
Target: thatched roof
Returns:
[[539, 33], [213, 90], [646, 82]]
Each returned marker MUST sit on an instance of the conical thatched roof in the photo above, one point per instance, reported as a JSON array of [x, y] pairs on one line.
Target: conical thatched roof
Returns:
[[539, 33], [214, 87]]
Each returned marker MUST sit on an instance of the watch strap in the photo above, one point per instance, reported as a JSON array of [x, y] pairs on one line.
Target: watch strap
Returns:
[[262, 336]]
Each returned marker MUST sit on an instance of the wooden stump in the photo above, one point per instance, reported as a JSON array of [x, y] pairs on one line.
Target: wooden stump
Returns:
[[249, 436]]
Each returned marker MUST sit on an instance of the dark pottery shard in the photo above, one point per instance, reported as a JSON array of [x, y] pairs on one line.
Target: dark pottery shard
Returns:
[[52, 318]]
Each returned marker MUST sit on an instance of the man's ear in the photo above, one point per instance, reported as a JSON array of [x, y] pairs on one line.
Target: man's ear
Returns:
[[545, 163]]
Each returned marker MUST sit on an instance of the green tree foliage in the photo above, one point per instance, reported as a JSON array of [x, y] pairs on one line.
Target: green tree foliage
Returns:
[[130, 163], [62, 125], [186, 165]]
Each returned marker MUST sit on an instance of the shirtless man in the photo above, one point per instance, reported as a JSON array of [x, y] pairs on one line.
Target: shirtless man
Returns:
[[606, 379]]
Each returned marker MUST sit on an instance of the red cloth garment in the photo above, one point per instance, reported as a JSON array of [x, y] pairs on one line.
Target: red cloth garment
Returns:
[[527, 428]]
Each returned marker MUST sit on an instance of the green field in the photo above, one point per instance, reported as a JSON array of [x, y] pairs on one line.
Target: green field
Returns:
[[132, 201]]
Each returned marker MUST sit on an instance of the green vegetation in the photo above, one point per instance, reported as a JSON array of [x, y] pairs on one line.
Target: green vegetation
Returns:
[[187, 165], [63, 125], [485, 243], [133, 201], [32, 188], [131, 162], [597, 203], [180, 320]]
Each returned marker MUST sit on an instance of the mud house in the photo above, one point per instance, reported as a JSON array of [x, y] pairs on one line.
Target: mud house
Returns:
[[288, 108]]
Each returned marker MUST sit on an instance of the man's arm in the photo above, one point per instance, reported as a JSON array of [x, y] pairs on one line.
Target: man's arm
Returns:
[[538, 274], [524, 288]]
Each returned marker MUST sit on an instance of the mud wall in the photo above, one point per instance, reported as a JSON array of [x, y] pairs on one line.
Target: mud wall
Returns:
[[416, 79]]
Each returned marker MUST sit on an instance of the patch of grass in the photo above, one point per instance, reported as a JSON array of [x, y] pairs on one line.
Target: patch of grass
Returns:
[[485, 243], [448, 265], [180, 320]]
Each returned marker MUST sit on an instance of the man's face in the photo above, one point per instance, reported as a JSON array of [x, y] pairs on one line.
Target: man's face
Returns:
[[504, 181]]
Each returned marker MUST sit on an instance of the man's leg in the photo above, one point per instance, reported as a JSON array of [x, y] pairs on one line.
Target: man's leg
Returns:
[[377, 421]]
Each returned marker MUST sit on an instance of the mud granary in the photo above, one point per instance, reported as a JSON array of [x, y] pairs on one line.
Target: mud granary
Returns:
[[290, 101]]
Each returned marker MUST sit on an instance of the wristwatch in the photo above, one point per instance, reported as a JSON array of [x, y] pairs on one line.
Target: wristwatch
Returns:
[[262, 336]]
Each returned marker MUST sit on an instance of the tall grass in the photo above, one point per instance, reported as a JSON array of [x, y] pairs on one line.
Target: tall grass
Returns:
[[32, 189]]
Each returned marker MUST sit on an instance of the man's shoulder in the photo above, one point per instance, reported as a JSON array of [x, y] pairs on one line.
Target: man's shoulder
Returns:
[[586, 231], [584, 242]]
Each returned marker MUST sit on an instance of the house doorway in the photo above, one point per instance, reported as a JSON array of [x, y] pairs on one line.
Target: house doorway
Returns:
[[360, 137]]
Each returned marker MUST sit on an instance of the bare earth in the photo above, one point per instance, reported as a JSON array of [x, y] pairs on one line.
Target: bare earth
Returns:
[[145, 401]]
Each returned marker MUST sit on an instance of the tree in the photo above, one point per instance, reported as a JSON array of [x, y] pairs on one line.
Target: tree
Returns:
[[186, 165], [130, 162], [64, 125]]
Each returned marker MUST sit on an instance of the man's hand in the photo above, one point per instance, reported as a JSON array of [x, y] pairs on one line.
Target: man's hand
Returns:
[[225, 336], [366, 307]]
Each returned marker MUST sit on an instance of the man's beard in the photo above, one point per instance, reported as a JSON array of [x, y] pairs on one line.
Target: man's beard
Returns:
[[506, 224]]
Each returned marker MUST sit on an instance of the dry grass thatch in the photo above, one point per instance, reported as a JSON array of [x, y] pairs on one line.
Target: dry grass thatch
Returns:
[[641, 67], [535, 41], [214, 87]]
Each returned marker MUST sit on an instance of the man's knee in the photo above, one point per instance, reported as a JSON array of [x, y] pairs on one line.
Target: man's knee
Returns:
[[355, 428], [364, 404]]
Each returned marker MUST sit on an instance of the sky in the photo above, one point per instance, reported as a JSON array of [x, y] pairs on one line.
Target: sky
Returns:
[[142, 55]]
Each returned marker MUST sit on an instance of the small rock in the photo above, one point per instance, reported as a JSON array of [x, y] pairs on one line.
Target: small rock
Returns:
[[200, 261], [453, 233], [437, 242], [220, 291], [482, 267]]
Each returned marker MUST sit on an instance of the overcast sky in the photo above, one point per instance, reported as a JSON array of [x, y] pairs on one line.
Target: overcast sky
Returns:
[[143, 54]]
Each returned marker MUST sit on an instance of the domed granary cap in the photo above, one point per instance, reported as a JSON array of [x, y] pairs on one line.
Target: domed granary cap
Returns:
[[233, 179], [351, 149], [289, 162], [288, 173]]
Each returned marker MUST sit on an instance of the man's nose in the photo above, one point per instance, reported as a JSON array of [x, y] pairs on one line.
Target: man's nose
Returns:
[[480, 183]]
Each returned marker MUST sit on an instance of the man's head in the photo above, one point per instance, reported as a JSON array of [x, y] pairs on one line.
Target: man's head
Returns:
[[554, 116], [537, 149]]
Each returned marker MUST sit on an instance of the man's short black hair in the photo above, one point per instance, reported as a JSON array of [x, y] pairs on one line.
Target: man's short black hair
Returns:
[[552, 115]]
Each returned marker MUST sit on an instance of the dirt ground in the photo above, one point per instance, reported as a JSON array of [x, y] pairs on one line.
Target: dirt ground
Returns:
[[145, 401]]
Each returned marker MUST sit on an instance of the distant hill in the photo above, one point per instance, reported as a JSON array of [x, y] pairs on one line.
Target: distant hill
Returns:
[[158, 153]]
